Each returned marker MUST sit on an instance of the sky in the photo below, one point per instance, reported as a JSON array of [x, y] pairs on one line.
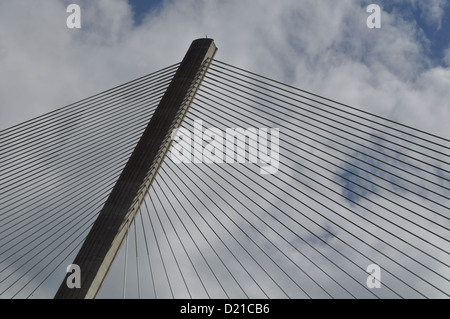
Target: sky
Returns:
[[405, 62], [400, 71], [141, 9]]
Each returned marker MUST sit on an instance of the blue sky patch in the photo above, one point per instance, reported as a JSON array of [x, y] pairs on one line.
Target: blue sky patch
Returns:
[[141, 8], [438, 34]]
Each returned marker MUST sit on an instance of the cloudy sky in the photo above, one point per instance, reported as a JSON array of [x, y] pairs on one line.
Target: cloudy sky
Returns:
[[400, 71]]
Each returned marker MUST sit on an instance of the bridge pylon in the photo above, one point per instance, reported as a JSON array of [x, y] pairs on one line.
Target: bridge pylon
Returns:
[[110, 228]]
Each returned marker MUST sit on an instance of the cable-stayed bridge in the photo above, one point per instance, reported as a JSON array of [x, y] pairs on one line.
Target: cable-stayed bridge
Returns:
[[305, 197]]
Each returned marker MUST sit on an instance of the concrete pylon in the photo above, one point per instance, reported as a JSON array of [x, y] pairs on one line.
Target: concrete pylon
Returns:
[[106, 235]]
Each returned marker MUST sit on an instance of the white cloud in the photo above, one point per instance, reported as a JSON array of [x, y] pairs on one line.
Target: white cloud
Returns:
[[311, 42]]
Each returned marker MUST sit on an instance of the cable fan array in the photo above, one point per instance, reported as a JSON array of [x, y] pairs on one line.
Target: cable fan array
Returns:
[[57, 171], [353, 189]]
